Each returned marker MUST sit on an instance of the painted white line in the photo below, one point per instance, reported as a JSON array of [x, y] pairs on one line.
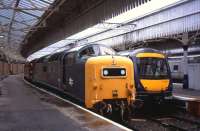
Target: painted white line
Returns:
[[99, 116], [184, 98]]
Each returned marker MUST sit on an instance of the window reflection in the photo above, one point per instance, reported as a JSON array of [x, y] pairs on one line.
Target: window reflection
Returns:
[[106, 51]]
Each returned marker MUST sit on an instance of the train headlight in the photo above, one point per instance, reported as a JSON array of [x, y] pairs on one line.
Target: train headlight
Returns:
[[123, 72], [105, 72]]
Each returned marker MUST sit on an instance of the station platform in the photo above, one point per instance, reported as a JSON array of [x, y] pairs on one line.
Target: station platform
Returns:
[[23, 108], [189, 94]]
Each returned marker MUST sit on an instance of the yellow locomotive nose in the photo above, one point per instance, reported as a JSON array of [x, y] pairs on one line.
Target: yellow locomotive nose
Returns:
[[108, 78]]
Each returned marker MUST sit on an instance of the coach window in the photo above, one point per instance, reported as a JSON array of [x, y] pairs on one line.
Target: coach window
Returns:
[[88, 52]]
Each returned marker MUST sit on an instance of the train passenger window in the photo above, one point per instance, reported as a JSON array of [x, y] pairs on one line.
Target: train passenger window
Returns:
[[175, 68], [88, 52]]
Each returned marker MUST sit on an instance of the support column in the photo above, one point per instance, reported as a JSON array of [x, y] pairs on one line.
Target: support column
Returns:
[[185, 64], [185, 42]]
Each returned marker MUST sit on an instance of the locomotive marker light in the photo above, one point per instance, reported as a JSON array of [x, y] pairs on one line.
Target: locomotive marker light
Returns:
[[123, 72], [105, 72]]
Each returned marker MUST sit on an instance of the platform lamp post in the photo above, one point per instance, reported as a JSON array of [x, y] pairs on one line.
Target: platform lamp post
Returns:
[[185, 42]]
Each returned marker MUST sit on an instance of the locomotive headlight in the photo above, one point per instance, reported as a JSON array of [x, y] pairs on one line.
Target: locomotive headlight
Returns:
[[123, 72], [105, 72]]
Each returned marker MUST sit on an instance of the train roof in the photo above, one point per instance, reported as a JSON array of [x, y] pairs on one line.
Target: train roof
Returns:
[[134, 52], [77, 48]]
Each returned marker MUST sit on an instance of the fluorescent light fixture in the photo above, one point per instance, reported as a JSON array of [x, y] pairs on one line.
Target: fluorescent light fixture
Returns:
[[1, 36]]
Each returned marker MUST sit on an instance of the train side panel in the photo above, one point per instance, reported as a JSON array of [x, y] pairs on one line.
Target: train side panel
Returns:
[[74, 80], [53, 72]]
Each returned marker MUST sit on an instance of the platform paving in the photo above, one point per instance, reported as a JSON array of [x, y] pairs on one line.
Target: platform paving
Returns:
[[190, 93], [23, 108]]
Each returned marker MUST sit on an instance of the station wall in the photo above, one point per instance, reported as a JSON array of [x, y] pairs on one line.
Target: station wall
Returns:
[[10, 69]]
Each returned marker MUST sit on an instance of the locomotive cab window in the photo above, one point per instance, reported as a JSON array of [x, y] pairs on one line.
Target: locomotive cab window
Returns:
[[89, 52], [106, 51]]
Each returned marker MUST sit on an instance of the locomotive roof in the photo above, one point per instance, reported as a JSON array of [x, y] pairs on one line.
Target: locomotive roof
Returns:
[[57, 55], [139, 50], [77, 48]]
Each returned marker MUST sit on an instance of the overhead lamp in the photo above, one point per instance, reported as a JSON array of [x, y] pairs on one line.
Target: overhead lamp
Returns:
[[1, 36]]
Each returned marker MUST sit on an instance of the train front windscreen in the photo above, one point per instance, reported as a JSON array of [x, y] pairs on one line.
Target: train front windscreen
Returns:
[[152, 68]]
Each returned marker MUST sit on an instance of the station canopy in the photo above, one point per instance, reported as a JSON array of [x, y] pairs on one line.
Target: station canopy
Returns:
[[17, 19], [119, 24]]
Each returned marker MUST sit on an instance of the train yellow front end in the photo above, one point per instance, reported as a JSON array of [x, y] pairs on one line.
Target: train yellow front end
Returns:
[[159, 82], [108, 78], [153, 76]]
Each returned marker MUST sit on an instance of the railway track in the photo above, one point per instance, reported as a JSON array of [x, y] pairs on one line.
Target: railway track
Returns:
[[163, 119], [145, 122], [177, 123]]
